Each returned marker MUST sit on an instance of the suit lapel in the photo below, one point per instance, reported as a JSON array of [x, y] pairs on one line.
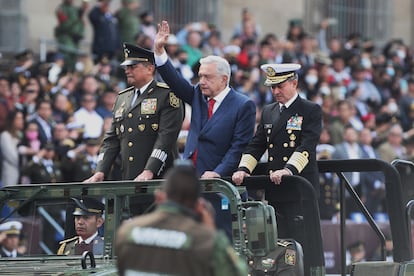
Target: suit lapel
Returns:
[[220, 112]]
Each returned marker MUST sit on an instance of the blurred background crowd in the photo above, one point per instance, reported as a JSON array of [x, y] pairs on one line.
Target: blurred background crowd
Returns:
[[54, 113]]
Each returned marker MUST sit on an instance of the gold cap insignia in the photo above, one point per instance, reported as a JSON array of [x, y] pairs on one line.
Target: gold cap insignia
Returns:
[[270, 71]]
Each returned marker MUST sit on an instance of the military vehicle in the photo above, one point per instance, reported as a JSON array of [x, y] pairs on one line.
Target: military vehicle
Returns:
[[45, 211]]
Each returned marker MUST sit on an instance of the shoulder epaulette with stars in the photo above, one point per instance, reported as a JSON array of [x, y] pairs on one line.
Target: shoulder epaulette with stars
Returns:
[[126, 90], [284, 243], [69, 240], [163, 85]]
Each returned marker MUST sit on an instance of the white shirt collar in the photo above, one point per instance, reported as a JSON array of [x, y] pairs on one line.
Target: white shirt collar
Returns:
[[289, 103], [90, 239], [10, 253], [142, 89], [220, 96]]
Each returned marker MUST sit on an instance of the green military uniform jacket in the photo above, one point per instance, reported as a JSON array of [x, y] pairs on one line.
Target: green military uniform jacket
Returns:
[[129, 24], [38, 173], [72, 247], [170, 241], [144, 134], [285, 260], [70, 29], [79, 169]]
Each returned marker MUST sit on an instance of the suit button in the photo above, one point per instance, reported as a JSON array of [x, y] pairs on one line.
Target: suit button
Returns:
[[269, 131], [285, 145], [271, 146], [129, 115], [130, 144], [131, 158], [285, 158], [130, 129], [270, 171], [271, 158]]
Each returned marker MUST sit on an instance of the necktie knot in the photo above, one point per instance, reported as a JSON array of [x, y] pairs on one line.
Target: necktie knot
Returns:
[[211, 103], [136, 94], [282, 108]]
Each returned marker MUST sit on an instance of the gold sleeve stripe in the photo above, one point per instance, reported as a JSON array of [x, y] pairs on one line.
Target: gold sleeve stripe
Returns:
[[248, 161], [299, 160]]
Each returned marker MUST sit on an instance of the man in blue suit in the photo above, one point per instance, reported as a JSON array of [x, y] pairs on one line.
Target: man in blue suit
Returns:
[[222, 120], [215, 144]]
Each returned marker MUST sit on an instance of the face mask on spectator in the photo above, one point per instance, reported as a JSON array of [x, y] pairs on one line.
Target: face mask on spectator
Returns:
[[366, 63], [79, 66], [311, 79], [401, 54], [31, 134], [392, 107], [325, 90], [390, 71]]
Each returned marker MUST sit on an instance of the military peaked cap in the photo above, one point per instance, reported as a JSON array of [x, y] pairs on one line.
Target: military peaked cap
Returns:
[[134, 54]]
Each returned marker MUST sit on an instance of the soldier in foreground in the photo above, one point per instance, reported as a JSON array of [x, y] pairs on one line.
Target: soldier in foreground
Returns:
[[179, 237], [88, 219]]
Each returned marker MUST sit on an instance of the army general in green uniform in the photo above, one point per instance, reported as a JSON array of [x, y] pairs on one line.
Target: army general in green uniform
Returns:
[[179, 237], [147, 118]]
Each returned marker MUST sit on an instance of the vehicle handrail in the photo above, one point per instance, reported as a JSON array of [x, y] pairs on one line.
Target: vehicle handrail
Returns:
[[307, 196], [394, 198]]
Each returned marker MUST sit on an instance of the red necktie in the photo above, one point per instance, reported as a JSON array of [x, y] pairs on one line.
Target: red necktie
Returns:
[[211, 103]]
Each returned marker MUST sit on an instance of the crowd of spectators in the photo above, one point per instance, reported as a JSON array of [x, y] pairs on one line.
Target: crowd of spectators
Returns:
[[363, 89]]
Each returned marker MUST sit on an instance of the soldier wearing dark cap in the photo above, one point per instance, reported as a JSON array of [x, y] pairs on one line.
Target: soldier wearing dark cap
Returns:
[[43, 168], [147, 118], [289, 130], [88, 219], [81, 165], [24, 66]]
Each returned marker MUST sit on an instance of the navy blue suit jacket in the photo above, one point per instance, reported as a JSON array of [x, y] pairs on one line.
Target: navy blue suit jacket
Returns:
[[221, 140]]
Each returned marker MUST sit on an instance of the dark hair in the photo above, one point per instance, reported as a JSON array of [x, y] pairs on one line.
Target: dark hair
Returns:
[[11, 116], [182, 185], [42, 101]]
